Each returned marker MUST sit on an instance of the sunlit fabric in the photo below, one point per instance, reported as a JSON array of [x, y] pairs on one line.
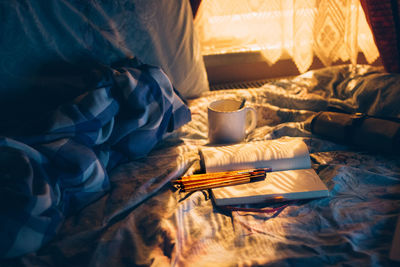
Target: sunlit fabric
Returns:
[[299, 29], [142, 221]]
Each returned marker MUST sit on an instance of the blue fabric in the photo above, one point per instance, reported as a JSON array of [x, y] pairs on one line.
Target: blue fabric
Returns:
[[48, 175], [44, 39]]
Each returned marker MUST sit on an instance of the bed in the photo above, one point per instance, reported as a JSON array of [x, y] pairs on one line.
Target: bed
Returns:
[[140, 219]]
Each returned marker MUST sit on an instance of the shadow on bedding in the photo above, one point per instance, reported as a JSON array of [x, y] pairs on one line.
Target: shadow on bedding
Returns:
[[59, 169]]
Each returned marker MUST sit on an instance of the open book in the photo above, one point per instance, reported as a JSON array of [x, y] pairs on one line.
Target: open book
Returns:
[[291, 178]]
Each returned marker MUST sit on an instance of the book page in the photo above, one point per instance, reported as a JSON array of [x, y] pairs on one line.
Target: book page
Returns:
[[291, 184], [278, 154]]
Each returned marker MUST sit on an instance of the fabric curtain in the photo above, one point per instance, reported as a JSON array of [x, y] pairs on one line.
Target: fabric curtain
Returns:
[[195, 6], [296, 29], [383, 18]]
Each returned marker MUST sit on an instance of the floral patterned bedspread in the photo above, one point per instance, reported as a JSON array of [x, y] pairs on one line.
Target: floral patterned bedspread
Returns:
[[143, 221]]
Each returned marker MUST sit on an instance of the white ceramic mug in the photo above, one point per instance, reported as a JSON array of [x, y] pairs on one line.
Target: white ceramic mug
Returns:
[[228, 122]]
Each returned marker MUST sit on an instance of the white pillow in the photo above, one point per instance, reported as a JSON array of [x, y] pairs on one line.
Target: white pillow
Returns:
[[162, 34]]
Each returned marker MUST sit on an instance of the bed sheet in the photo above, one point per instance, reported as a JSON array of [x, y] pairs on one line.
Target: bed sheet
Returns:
[[143, 221]]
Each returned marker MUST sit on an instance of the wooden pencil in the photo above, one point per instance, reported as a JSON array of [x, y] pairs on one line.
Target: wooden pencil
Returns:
[[220, 174], [217, 178], [220, 184], [220, 180]]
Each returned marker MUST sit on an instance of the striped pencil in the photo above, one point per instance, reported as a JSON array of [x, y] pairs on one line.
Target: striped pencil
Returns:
[[219, 179], [210, 185], [220, 174]]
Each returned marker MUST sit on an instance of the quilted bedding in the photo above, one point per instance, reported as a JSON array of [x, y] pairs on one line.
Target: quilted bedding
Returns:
[[143, 221]]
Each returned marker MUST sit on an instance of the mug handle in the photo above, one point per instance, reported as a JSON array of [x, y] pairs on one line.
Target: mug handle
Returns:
[[253, 120]]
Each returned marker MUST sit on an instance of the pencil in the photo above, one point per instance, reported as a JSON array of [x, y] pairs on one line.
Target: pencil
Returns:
[[220, 184], [218, 179], [222, 179], [219, 174]]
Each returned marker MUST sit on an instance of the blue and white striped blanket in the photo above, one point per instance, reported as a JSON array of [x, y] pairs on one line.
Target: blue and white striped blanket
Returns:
[[46, 176]]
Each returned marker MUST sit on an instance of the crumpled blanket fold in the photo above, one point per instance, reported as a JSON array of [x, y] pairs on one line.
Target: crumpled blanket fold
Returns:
[[62, 165]]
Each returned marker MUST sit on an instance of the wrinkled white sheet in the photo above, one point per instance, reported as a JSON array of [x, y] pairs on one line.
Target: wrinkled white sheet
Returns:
[[144, 221]]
